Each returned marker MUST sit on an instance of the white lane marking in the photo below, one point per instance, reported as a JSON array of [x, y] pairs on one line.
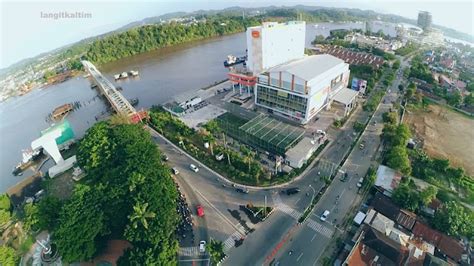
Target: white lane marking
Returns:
[[299, 257], [314, 237]]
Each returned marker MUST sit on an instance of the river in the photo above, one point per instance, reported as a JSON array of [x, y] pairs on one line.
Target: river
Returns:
[[164, 73]]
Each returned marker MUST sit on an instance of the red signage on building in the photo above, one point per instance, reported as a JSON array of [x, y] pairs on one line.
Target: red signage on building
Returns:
[[255, 33]]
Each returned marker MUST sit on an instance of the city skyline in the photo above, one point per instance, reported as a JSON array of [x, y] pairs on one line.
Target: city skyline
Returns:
[[42, 27]]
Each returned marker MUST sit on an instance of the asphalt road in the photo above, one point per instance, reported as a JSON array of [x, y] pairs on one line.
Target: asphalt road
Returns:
[[310, 240], [272, 239]]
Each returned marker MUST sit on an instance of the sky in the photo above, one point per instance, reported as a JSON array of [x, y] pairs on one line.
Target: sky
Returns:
[[26, 30]]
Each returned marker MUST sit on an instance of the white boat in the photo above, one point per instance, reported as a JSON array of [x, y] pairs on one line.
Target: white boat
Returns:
[[117, 76], [134, 73], [124, 75]]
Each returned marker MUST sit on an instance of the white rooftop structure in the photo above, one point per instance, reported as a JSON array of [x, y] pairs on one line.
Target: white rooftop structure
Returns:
[[379, 222], [312, 68], [387, 179], [301, 152], [345, 96]]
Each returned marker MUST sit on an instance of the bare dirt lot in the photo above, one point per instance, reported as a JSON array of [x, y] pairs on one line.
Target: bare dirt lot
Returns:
[[446, 134]]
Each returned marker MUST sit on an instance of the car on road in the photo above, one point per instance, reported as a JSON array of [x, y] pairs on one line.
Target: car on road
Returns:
[[324, 216], [361, 146], [243, 190], [200, 210], [292, 191], [202, 246], [165, 157], [174, 170], [360, 182], [344, 177], [194, 168]]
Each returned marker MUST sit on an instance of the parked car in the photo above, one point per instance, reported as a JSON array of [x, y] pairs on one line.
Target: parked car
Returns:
[[194, 168], [361, 181], [200, 211], [174, 170], [202, 246], [324, 216], [292, 191], [361, 146], [242, 190], [165, 157]]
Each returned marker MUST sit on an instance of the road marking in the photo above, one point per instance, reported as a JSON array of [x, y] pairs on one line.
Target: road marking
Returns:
[[323, 230], [219, 212], [188, 251], [296, 202], [314, 237], [230, 241], [299, 257]]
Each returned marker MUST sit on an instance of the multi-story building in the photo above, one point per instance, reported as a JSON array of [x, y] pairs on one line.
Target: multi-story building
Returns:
[[424, 20], [301, 88], [274, 43]]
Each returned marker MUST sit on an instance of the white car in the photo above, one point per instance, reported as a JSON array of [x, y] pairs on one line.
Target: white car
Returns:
[[361, 181], [202, 246], [324, 216], [174, 170], [194, 168]]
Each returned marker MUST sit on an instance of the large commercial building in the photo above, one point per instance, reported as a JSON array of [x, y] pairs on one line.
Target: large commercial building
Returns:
[[274, 43], [424, 20], [301, 88]]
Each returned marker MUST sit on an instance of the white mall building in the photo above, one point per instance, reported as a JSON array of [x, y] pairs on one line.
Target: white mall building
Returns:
[[299, 89]]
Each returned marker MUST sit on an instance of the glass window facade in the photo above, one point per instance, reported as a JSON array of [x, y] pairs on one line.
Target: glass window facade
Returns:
[[282, 101]]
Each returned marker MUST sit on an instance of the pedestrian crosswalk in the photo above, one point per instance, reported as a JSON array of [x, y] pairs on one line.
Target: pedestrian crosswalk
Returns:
[[230, 241], [290, 211], [279, 205], [323, 230], [188, 251]]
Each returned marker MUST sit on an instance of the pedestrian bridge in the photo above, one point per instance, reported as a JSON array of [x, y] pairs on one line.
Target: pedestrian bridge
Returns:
[[115, 98]]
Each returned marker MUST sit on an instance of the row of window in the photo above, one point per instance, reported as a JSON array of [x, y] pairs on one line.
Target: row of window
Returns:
[[283, 101]]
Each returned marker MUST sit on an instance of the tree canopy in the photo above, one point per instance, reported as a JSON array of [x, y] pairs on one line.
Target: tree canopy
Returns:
[[454, 220], [130, 193]]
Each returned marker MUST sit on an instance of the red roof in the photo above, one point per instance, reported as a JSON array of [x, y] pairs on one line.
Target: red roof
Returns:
[[446, 245]]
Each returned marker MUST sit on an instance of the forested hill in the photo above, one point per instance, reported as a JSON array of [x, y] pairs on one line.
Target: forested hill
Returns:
[[151, 37]]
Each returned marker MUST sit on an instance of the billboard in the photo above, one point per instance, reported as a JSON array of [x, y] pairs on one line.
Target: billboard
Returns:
[[359, 85]]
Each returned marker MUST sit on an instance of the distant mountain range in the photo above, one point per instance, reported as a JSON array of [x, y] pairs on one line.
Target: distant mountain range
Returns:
[[233, 11]]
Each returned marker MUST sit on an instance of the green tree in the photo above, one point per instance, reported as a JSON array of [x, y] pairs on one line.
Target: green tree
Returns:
[[454, 220], [428, 194], [82, 224], [8, 256], [216, 251], [358, 126], [397, 158], [405, 197], [5, 202], [389, 117], [48, 213], [141, 215], [455, 99], [410, 91], [469, 99], [31, 214], [4, 218]]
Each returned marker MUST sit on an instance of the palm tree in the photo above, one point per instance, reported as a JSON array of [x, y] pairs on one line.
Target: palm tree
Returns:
[[225, 148], [140, 215], [248, 155]]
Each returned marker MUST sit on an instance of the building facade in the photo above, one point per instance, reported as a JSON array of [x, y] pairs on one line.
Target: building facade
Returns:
[[274, 43], [301, 88], [424, 20]]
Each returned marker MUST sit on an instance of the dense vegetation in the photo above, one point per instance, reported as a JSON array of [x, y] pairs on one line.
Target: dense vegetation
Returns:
[[129, 194], [420, 71], [240, 162], [151, 37]]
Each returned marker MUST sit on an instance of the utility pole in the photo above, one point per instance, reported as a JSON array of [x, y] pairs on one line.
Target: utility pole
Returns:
[[265, 207]]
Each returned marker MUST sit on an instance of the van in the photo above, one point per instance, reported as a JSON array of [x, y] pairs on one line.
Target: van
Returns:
[[361, 181], [202, 246]]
